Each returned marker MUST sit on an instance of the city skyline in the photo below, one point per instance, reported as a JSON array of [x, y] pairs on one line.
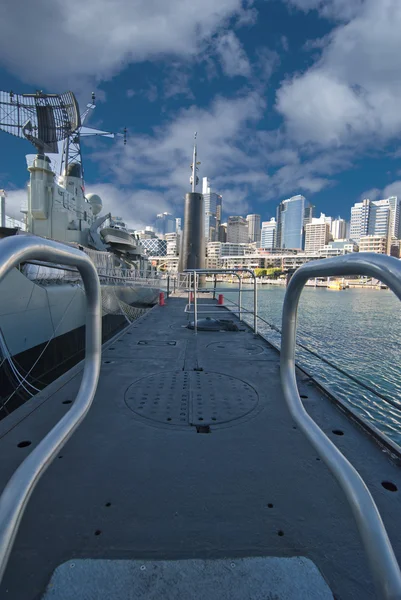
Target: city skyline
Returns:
[[339, 227]]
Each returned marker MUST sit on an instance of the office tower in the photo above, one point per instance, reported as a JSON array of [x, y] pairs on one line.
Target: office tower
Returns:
[[269, 231], [339, 229], [253, 228], [222, 233], [292, 216], [178, 227], [237, 230], [379, 218], [317, 234], [213, 209], [165, 223]]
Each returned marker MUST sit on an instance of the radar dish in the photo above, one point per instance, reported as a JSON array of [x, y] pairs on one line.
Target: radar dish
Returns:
[[42, 119]]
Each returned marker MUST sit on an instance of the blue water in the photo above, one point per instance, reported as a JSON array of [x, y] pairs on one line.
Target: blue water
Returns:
[[357, 330]]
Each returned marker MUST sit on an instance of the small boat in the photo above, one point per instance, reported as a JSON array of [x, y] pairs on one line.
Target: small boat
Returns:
[[336, 285]]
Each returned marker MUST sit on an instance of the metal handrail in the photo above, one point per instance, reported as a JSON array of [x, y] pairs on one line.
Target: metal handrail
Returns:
[[15, 496], [233, 272], [383, 562]]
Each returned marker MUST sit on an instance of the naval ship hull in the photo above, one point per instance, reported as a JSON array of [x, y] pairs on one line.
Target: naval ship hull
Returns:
[[43, 326]]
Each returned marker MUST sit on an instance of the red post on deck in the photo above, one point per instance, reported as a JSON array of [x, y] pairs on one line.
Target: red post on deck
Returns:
[[221, 299], [161, 299]]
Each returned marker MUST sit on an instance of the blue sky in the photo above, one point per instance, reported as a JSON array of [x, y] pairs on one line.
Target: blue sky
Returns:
[[287, 97]]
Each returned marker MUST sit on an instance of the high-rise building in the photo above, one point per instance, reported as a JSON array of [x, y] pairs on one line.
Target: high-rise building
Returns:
[[292, 216], [338, 229], [253, 228], [222, 233], [237, 230], [317, 234], [376, 218], [178, 227], [165, 223], [213, 208], [395, 217], [268, 236]]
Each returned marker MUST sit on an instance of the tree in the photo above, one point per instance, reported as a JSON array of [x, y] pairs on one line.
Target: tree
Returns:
[[273, 272], [260, 272]]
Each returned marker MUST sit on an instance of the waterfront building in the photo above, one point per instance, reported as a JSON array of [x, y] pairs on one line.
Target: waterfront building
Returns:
[[237, 230], [373, 243], [380, 218], [154, 246]]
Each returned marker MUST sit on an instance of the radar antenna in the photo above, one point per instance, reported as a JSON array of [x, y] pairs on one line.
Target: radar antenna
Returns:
[[52, 123], [42, 119]]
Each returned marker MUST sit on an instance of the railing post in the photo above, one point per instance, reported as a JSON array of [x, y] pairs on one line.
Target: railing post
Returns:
[[214, 287], [195, 304], [15, 496], [255, 304], [168, 286], [383, 562], [239, 297]]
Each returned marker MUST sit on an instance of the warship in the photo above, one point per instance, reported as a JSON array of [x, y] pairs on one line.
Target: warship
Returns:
[[42, 306], [188, 458]]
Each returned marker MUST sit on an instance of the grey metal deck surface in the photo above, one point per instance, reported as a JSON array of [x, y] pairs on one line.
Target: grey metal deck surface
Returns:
[[142, 479]]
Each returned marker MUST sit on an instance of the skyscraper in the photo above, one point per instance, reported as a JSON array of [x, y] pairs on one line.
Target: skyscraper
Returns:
[[317, 234], [165, 223], [237, 230], [292, 216], [253, 228], [213, 208], [376, 217], [268, 236], [339, 229]]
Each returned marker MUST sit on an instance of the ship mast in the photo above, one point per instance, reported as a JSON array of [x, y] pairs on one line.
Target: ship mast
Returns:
[[194, 179]]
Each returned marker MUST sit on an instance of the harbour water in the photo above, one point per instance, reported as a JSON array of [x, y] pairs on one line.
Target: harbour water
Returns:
[[357, 330]]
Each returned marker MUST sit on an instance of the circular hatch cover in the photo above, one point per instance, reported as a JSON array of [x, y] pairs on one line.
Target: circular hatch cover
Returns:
[[191, 398]]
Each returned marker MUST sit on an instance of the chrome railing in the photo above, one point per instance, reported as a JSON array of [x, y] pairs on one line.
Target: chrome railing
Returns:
[[13, 251], [194, 289], [381, 556]]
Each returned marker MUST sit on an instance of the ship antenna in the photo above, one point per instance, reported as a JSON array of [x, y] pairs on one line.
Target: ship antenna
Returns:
[[194, 179]]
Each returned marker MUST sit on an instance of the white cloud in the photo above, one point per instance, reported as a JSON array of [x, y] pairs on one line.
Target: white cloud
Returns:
[[137, 208], [392, 189], [79, 41], [351, 95], [14, 200], [160, 161], [233, 58], [333, 9], [244, 166]]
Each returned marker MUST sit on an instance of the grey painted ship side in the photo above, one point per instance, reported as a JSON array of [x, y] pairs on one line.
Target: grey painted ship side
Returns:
[[32, 314]]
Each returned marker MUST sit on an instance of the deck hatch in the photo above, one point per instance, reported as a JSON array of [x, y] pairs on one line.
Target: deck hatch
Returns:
[[191, 398]]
